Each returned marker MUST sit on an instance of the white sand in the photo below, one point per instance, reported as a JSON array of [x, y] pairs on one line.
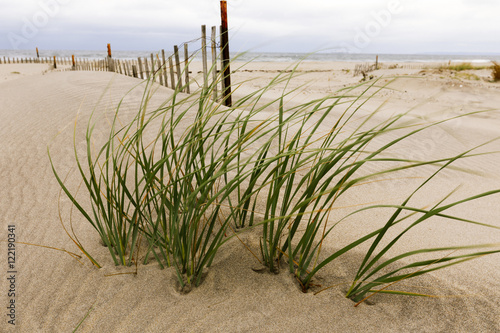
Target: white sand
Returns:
[[54, 292], [15, 71]]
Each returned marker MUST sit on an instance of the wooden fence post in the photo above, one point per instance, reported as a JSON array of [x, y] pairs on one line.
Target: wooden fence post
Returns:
[[55, 64], [37, 55], [178, 66], [160, 70], [186, 68], [164, 68], [152, 68], [376, 62], [146, 68], [214, 63], [226, 93], [204, 55], [172, 77], [139, 63], [73, 67]]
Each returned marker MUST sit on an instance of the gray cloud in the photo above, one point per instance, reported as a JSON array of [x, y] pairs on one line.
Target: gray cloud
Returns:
[[278, 25]]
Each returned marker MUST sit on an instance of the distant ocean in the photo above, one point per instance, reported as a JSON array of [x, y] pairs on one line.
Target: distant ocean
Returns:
[[271, 57]]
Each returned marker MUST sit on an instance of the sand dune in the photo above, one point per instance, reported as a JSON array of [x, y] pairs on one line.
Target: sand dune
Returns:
[[54, 291]]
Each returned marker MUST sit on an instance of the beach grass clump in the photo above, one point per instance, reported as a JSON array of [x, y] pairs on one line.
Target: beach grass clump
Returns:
[[464, 66], [312, 170], [189, 174], [173, 175], [461, 67], [495, 71]]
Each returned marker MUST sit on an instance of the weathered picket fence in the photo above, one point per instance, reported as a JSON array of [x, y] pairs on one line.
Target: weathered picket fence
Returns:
[[168, 70]]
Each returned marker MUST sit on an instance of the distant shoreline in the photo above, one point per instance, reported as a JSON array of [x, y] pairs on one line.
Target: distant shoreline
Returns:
[[270, 56]]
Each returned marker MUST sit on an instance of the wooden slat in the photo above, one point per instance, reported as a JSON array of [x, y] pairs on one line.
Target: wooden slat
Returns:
[[214, 63]]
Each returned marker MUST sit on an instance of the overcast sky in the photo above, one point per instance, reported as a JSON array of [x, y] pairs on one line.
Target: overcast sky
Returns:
[[360, 26]]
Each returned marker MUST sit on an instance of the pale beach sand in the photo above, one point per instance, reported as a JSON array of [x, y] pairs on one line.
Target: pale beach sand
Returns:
[[54, 292], [16, 71]]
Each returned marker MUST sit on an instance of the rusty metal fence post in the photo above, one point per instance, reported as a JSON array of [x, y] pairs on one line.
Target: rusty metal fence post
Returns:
[[111, 66], [226, 92]]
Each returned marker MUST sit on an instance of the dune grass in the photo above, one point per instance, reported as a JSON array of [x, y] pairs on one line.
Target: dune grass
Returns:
[[461, 67], [495, 71], [464, 66], [188, 174]]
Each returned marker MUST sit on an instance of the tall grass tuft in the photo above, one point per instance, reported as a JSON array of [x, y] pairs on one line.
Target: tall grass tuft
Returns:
[[189, 173], [495, 71]]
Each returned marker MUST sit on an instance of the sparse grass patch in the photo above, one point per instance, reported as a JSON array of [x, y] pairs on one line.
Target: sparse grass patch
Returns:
[[468, 76], [462, 67]]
